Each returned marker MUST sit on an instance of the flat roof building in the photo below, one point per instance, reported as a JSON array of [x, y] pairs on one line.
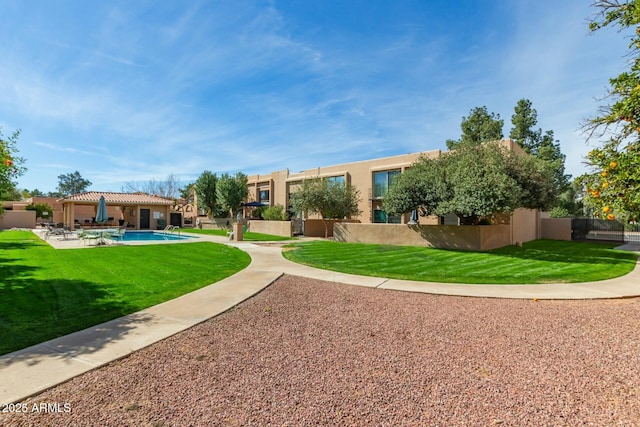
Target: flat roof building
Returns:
[[371, 177]]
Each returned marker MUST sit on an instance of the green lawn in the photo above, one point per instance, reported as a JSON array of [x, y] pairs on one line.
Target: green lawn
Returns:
[[540, 261], [248, 236], [46, 293]]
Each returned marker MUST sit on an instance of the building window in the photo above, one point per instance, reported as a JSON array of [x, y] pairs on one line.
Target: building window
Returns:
[[382, 181], [339, 179], [263, 196], [381, 217]]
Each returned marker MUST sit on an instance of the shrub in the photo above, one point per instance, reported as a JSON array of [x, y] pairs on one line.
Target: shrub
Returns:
[[274, 213], [40, 208], [559, 212]]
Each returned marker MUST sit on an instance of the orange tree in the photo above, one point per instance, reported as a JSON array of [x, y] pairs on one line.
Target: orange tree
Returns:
[[11, 166], [613, 186]]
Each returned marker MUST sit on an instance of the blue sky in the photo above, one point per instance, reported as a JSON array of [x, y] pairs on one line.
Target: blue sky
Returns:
[[132, 91]]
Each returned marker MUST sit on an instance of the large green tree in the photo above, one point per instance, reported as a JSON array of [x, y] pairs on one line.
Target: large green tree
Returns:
[[72, 183], [205, 187], [231, 191], [480, 126], [613, 184], [329, 199], [423, 186], [538, 143], [472, 182], [11, 166]]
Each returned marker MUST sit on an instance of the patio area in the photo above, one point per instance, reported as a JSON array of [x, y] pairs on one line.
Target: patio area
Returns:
[[139, 210]]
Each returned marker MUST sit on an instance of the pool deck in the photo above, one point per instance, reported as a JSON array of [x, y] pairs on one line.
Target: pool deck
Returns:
[[31, 370], [71, 241]]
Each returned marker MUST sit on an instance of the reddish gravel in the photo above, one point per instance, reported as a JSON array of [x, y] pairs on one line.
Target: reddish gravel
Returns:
[[305, 352]]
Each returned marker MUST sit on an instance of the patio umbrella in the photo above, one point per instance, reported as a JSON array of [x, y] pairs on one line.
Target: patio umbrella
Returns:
[[101, 215]]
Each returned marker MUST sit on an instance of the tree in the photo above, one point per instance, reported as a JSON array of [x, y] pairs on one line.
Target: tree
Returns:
[[479, 127], [472, 182], [188, 191], [72, 183], [11, 193], [231, 191], [55, 194], [331, 200], [11, 166], [613, 184], [274, 213], [423, 186], [205, 187], [168, 188], [523, 120], [538, 143], [33, 193], [40, 209], [480, 183]]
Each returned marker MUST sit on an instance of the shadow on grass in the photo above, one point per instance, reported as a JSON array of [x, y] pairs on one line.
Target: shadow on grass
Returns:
[[33, 311], [567, 252]]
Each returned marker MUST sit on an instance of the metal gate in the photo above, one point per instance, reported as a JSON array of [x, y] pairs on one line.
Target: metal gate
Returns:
[[604, 230], [297, 226]]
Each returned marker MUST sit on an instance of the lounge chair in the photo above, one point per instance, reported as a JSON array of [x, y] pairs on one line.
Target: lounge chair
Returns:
[[57, 231]]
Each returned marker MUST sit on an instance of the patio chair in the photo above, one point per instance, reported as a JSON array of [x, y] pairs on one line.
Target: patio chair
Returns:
[[118, 235], [54, 231], [88, 236]]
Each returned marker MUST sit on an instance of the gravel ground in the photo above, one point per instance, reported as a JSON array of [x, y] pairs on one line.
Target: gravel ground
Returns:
[[305, 352]]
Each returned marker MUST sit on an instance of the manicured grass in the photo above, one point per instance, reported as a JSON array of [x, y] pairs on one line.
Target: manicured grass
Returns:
[[248, 236], [46, 293], [540, 261]]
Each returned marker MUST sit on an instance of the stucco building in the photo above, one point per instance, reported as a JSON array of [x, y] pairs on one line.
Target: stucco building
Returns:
[[371, 177]]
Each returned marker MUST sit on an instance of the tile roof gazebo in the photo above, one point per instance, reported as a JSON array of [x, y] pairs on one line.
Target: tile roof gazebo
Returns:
[[140, 210]]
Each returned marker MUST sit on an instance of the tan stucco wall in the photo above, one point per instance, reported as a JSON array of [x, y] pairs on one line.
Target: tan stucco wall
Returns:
[[556, 228], [277, 228], [215, 223], [18, 219], [525, 225], [472, 238], [315, 227]]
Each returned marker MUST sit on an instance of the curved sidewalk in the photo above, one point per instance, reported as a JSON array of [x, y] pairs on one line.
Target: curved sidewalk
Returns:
[[34, 369]]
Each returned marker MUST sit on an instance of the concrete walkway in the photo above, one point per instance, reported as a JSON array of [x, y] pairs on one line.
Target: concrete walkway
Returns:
[[34, 369]]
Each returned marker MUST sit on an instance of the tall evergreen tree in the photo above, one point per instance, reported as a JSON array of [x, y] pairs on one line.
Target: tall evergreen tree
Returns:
[[538, 143]]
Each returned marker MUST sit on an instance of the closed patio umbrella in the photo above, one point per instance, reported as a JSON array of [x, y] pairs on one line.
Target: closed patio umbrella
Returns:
[[101, 215]]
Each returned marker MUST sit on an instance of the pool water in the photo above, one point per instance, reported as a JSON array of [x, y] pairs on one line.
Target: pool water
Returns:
[[137, 236]]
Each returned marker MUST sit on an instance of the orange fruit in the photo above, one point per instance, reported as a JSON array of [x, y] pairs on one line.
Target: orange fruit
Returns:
[[613, 165], [605, 184], [603, 173], [611, 217], [606, 209]]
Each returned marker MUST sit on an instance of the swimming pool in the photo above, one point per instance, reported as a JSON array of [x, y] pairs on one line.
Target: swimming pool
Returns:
[[141, 236]]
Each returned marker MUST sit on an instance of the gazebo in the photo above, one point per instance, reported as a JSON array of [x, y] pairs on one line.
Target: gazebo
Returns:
[[140, 210]]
